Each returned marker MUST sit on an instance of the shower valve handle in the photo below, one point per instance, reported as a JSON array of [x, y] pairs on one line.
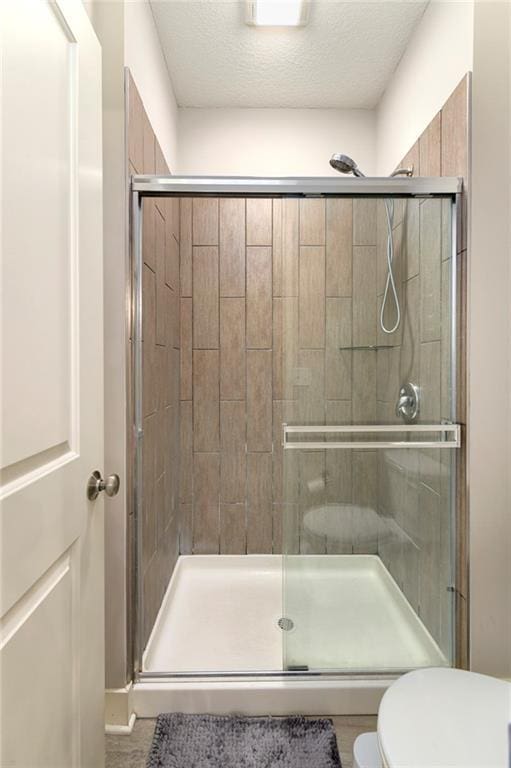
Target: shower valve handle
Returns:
[[408, 402]]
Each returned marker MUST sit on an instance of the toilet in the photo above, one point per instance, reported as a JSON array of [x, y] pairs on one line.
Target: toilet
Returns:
[[440, 718]]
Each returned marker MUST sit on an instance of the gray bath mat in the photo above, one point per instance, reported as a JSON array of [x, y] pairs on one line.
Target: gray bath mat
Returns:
[[210, 741]]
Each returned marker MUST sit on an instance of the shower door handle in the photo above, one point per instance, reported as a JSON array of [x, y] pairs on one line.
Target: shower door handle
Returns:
[[96, 484], [446, 435]]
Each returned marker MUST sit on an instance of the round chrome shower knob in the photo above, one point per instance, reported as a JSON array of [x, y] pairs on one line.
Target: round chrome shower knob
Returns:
[[408, 403]]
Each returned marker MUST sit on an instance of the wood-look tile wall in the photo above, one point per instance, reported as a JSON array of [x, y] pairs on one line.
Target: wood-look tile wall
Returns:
[[161, 367], [414, 502], [271, 291]]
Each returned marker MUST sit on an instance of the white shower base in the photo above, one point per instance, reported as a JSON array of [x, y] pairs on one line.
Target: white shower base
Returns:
[[220, 614]]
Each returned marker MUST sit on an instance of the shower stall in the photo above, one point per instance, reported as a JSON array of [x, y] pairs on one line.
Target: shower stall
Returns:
[[295, 497]]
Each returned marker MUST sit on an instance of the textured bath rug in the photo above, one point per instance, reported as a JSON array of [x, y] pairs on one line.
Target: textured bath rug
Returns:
[[211, 741]]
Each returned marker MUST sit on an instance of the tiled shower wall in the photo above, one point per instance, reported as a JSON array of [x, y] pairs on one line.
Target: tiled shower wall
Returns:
[[269, 292], [414, 496], [160, 360], [226, 376], [413, 499]]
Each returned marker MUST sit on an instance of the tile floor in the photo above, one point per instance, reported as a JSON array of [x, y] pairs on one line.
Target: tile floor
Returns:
[[131, 751]]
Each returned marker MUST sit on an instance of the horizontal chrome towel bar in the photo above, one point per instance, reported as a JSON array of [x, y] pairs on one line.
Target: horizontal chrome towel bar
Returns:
[[448, 436]]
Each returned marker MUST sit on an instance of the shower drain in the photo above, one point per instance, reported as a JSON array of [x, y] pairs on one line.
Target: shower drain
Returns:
[[285, 623]]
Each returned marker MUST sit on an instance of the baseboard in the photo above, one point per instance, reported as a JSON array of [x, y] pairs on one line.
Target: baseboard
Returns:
[[119, 712], [260, 697], [121, 730]]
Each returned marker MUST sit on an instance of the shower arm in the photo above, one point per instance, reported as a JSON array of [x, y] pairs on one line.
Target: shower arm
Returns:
[[403, 172]]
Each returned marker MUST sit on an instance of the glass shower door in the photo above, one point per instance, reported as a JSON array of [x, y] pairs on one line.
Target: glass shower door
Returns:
[[368, 485]]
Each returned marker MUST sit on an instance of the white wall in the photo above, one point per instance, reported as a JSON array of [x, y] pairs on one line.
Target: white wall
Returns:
[[128, 37], [108, 21], [144, 57], [438, 55], [489, 344], [274, 142], [297, 141]]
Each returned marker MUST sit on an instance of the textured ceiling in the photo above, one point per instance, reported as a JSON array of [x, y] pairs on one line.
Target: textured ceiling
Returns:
[[344, 57]]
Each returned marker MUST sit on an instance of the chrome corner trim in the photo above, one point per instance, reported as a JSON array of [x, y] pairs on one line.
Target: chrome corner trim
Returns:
[[137, 425], [454, 548]]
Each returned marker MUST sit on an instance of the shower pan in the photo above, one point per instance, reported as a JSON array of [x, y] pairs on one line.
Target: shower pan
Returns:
[[317, 527]]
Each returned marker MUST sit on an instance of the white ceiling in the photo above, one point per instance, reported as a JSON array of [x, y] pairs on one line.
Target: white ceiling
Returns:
[[344, 57]]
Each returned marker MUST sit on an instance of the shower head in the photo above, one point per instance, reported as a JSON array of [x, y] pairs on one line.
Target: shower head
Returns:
[[345, 164]]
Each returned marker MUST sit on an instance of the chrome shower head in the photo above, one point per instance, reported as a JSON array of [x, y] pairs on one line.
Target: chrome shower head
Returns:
[[345, 164]]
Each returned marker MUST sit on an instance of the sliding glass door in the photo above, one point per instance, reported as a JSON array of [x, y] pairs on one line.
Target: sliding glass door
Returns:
[[368, 435]]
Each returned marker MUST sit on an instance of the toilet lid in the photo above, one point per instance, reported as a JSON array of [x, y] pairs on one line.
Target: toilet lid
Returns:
[[445, 718]]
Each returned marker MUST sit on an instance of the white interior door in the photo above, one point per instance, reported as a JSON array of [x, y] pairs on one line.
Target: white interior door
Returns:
[[52, 676]]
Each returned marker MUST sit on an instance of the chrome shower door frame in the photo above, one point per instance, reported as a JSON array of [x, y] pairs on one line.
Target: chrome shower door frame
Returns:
[[153, 186]]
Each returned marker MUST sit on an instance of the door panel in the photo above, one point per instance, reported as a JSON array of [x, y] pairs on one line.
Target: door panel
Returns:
[[51, 636], [41, 194], [41, 673]]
